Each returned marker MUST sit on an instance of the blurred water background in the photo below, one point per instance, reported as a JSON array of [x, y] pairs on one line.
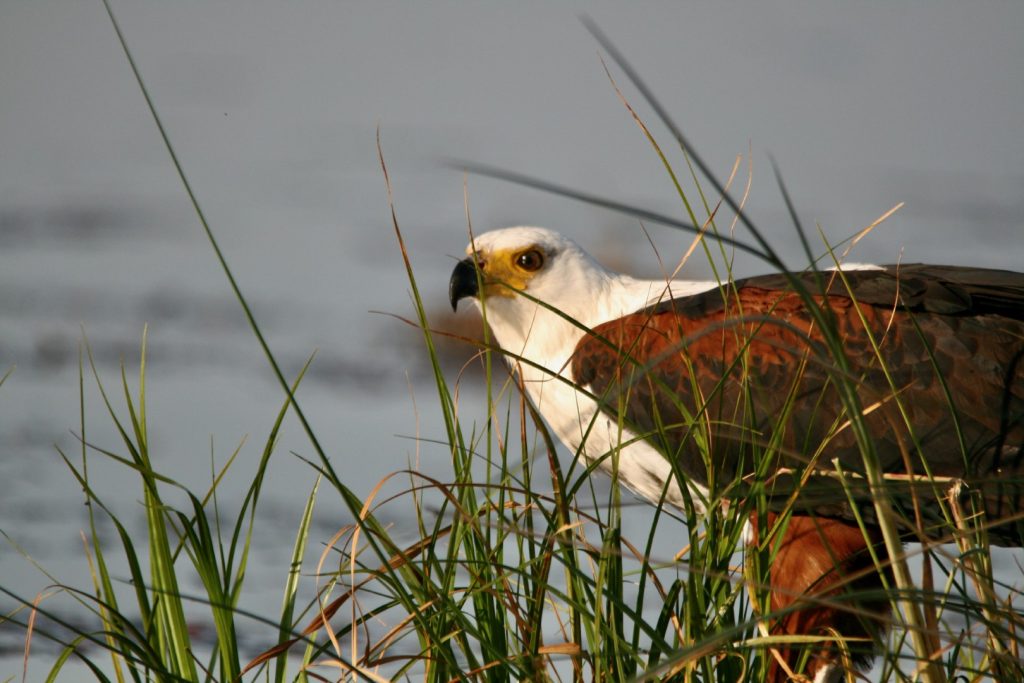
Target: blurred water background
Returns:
[[273, 109]]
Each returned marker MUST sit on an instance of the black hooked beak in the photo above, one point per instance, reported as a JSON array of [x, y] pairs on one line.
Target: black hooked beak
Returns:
[[463, 282]]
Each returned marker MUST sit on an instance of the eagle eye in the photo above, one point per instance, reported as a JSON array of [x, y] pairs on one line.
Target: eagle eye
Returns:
[[530, 260]]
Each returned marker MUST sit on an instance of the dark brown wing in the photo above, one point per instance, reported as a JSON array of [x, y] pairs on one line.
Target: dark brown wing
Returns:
[[742, 381]]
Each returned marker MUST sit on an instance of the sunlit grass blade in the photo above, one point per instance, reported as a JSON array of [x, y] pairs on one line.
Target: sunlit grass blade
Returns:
[[292, 583]]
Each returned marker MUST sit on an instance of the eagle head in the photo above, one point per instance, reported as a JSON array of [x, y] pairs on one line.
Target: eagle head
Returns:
[[507, 262]]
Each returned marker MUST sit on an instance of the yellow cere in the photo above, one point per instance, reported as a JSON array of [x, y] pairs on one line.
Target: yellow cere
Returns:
[[503, 276]]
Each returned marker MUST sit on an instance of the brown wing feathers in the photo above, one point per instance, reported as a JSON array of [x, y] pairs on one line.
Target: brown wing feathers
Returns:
[[727, 367]]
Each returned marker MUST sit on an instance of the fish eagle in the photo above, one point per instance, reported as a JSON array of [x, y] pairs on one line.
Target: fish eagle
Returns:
[[696, 385]]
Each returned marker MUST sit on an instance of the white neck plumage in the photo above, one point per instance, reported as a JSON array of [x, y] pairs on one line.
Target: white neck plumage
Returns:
[[547, 336]]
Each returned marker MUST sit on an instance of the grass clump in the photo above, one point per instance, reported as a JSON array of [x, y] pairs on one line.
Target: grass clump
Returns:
[[143, 623]]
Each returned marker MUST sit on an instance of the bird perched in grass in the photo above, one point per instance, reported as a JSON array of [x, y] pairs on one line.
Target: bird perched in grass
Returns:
[[818, 391]]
